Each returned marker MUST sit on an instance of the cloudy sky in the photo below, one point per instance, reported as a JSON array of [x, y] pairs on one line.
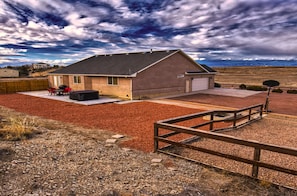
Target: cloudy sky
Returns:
[[65, 31]]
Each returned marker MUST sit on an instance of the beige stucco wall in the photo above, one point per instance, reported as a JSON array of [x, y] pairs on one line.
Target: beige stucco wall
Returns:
[[123, 89], [7, 73], [50, 80], [77, 86], [166, 78], [67, 80], [62, 79]]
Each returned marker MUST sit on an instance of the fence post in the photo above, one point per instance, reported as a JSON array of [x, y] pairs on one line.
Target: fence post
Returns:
[[255, 169], [156, 134], [211, 121], [250, 112], [234, 120], [261, 111]]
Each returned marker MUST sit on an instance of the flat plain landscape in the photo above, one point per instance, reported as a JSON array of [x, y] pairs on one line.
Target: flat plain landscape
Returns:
[[255, 75]]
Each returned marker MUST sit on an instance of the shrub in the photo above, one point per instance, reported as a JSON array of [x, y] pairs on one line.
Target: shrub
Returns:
[[256, 88], [242, 86], [217, 85], [292, 91], [277, 90], [17, 129]]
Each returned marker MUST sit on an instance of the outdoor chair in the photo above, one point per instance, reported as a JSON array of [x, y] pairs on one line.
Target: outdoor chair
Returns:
[[51, 91], [66, 90]]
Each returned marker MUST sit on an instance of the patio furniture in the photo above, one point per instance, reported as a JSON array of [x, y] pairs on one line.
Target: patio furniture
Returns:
[[51, 91], [66, 91], [63, 86], [59, 92], [84, 95]]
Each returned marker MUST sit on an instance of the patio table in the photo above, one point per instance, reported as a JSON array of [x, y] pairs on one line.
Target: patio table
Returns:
[[59, 92]]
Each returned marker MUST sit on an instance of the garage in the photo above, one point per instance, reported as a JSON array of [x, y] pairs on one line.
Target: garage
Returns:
[[199, 84]]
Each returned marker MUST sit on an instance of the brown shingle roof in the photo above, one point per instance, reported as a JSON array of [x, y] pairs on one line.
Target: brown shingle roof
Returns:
[[124, 64]]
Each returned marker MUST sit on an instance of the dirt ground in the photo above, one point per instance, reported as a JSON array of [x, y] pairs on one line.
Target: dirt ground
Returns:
[[281, 103]]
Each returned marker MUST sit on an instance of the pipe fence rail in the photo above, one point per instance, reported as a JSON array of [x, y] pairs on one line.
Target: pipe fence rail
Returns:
[[247, 115]]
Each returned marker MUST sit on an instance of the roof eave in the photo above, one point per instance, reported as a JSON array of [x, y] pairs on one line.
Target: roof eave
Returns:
[[96, 75], [201, 73], [189, 58]]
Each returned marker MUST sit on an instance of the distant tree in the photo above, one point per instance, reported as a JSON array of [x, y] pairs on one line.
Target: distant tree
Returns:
[[10, 67], [24, 70], [277, 90], [217, 85], [242, 86], [292, 91]]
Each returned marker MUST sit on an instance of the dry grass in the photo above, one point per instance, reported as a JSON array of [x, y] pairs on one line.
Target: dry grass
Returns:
[[287, 76], [17, 128]]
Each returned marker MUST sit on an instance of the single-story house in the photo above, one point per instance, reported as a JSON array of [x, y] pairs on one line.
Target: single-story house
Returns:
[[136, 75], [37, 66], [9, 73]]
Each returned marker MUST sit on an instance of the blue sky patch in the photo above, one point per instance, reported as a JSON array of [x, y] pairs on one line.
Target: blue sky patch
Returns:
[[66, 31]]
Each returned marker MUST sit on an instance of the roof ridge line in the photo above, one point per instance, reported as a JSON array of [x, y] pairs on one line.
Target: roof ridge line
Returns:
[[139, 52]]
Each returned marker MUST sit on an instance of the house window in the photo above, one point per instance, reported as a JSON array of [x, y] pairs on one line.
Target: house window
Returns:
[[76, 79], [112, 81]]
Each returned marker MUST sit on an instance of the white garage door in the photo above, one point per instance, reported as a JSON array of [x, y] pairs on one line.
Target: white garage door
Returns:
[[199, 84]]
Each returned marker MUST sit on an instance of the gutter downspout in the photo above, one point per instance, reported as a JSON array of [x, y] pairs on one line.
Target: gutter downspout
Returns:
[[131, 85]]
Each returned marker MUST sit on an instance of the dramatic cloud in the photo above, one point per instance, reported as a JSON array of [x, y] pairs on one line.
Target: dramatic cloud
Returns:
[[64, 31], [11, 52]]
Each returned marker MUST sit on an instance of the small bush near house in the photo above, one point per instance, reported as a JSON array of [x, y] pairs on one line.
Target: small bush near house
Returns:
[[277, 90], [217, 85], [292, 91], [144, 97], [242, 86], [256, 88], [17, 129]]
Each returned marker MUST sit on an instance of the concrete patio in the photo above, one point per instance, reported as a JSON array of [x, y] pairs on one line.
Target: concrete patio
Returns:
[[105, 99], [65, 98], [230, 92], [219, 91]]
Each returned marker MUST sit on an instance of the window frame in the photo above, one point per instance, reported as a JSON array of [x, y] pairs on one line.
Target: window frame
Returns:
[[113, 81], [77, 79]]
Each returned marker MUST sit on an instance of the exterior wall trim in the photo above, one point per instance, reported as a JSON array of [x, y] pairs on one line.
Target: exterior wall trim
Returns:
[[95, 75]]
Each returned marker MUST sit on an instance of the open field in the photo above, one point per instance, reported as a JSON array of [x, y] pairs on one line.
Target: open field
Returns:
[[228, 76]]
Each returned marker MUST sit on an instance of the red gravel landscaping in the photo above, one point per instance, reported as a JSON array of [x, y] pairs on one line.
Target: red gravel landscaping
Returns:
[[134, 119]]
